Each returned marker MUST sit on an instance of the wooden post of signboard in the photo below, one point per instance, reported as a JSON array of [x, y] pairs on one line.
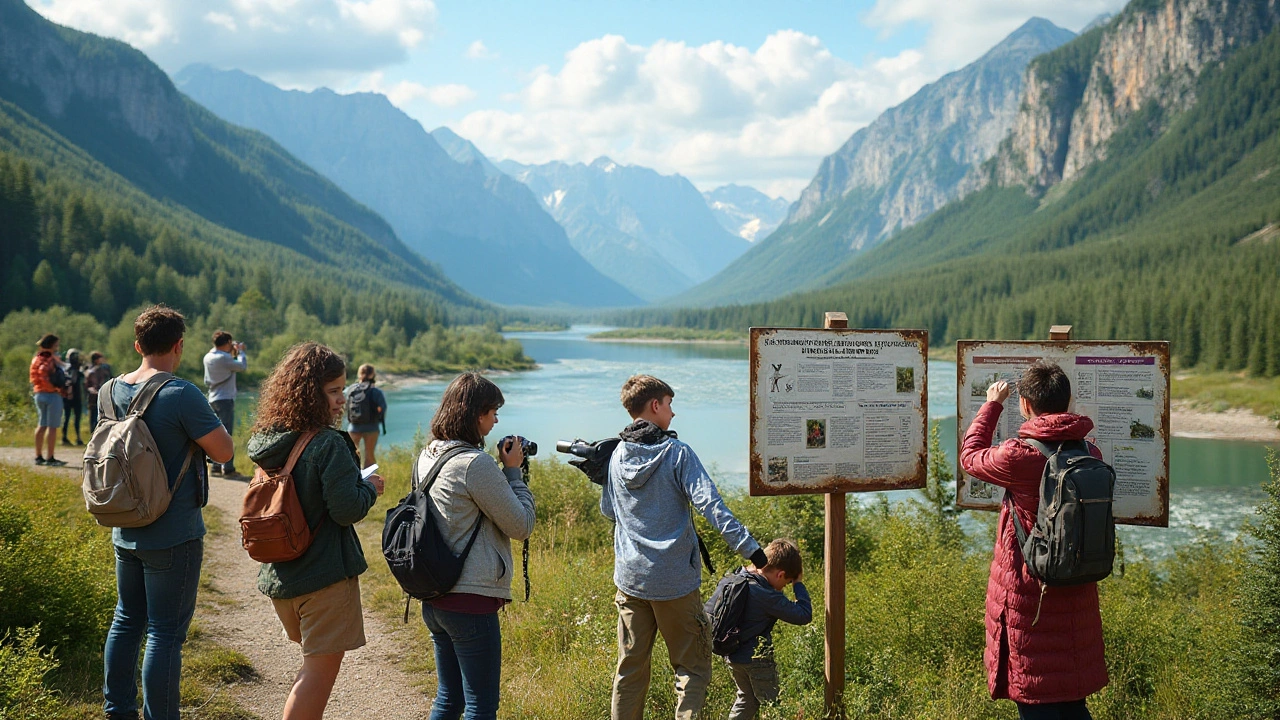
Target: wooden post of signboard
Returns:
[[834, 551], [1059, 332]]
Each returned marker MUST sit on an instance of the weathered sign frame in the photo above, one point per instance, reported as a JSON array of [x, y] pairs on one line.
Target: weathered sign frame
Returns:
[[916, 478], [1159, 350]]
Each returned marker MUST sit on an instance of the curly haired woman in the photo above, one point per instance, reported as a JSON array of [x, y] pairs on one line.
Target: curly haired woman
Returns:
[[316, 596]]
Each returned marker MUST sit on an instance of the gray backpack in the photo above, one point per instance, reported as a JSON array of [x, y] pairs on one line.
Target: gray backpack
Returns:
[[125, 483], [1074, 538]]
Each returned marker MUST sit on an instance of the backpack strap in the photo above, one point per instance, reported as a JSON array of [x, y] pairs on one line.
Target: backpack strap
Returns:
[[1045, 449], [1020, 531], [107, 406], [434, 473], [299, 446], [147, 393]]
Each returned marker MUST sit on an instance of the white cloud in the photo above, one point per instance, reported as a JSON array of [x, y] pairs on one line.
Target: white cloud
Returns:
[[287, 41], [478, 51], [959, 32], [715, 113], [404, 93]]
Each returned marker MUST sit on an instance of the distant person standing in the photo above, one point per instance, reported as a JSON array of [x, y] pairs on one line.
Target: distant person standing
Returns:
[[366, 411], [220, 367], [47, 381], [97, 376], [73, 395]]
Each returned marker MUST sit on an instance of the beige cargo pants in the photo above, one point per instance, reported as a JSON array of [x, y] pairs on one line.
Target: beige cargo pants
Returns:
[[685, 629]]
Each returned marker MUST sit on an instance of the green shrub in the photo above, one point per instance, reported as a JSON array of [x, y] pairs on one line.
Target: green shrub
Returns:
[[1260, 602], [55, 572], [23, 666]]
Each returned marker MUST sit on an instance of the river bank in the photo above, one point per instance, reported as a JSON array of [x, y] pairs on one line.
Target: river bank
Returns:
[[1187, 420]]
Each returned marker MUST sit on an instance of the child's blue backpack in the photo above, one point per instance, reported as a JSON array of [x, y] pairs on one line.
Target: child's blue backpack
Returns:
[[727, 609]]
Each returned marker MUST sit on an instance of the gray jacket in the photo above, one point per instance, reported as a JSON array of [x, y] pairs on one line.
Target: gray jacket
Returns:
[[471, 485], [220, 370], [648, 495]]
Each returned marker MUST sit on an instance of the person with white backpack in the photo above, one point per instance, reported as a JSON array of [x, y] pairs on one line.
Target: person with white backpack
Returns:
[[154, 506]]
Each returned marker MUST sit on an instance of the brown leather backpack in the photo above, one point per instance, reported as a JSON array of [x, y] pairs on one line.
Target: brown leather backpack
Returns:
[[272, 526]]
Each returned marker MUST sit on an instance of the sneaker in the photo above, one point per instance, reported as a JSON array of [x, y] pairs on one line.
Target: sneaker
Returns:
[[66, 442], [54, 462], [79, 442], [40, 460]]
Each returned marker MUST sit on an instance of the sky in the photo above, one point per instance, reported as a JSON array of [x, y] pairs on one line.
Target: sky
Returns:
[[749, 92]]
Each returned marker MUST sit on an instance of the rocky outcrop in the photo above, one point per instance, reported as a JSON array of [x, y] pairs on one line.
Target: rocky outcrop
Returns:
[[914, 155], [73, 72], [1079, 96]]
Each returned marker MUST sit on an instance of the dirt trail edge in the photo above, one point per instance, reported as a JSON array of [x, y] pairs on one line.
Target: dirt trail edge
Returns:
[[369, 686]]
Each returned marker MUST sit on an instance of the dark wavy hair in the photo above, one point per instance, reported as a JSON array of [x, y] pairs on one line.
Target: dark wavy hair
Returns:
[[158, 328], [469, 396], [1046, 387], [293, 394]]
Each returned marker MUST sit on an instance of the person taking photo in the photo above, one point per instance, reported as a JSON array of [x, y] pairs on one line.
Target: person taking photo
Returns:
[[471, 490]]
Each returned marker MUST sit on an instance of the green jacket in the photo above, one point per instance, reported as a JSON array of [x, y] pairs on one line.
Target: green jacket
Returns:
[[334, 499]]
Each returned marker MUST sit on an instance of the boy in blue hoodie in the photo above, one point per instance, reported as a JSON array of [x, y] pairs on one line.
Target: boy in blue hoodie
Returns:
[[752, 665], [653, 480]]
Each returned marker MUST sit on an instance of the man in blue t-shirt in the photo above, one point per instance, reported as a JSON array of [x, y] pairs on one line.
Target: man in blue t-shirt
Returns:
[[158, 565]]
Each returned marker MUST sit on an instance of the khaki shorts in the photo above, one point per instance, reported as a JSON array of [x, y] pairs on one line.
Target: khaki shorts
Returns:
[[326, 621]]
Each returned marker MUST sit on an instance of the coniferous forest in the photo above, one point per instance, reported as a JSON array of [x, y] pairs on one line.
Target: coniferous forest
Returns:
[[1175, 236]]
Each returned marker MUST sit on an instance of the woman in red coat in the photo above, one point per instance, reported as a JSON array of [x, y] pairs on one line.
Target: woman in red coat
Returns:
[[1044, 644]]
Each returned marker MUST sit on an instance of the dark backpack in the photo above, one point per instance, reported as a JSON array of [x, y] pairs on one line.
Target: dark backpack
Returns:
[[360, 407], [416, 552], [727, 610], [1074, 538]]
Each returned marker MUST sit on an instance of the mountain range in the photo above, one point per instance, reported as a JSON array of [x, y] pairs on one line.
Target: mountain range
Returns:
[[1136, 196], [488, 233], [745, 211], [653, 233], [910, 161]]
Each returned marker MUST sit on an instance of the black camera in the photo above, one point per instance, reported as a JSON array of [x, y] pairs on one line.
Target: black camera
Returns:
[[529, 447], [592, 458]]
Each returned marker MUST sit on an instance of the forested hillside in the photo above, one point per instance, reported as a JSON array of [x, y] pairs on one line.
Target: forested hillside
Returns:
[[142, 196], [1174, 235]]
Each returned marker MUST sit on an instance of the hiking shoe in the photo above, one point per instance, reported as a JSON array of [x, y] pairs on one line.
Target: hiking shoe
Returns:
[[54, 462], [66, 442], [79, 442], [40, 460]]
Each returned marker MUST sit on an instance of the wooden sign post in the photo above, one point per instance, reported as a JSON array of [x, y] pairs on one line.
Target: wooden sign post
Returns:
[[834, 411], [834, 551]]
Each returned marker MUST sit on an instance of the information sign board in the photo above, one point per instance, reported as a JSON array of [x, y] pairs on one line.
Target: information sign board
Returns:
[[837, 410], [1122, 387]]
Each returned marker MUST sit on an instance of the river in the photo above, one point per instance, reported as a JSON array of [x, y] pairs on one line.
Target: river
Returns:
[[1214, 484]]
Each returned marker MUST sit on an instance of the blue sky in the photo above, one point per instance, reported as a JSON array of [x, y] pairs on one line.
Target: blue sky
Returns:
[[750, 92]]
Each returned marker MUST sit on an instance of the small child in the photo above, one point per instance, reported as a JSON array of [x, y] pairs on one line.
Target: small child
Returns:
[[752, 665]]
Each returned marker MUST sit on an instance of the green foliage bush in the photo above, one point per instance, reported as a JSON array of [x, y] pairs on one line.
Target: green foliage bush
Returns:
[[23, 667]]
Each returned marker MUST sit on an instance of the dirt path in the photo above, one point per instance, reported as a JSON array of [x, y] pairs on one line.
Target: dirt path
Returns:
[[238, 616], [370, 685], [1233, 424]]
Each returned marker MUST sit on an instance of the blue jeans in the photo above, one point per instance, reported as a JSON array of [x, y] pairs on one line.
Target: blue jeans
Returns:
[[468, 663], [157, 590], [225, 410]]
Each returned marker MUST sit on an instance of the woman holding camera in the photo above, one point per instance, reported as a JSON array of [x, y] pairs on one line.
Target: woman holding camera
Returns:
[[472, 491]]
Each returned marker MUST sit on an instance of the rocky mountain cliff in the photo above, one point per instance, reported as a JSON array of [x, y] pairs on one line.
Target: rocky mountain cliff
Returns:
[[1078, 97], [745, 211], [907, 163], [653, 233], [488, 232]]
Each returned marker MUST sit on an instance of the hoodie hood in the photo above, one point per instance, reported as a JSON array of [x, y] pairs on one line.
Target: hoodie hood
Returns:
[[1058, 426], [436, 448], [271, 449], [637, 462]]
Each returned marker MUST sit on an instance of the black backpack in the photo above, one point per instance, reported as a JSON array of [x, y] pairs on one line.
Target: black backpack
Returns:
[[416, 552], [360, 407], [1074, 539], [727, 611]]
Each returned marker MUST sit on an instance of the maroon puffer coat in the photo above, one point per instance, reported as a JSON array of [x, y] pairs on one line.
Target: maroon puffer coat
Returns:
[[1060, 658]]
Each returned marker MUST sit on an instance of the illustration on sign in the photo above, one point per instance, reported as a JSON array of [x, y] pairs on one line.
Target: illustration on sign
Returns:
[[1122, 387], [837, 410]]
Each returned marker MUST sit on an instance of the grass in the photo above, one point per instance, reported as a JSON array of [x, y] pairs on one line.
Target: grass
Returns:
[[73, 589], [1220, 391], [916, 583]]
